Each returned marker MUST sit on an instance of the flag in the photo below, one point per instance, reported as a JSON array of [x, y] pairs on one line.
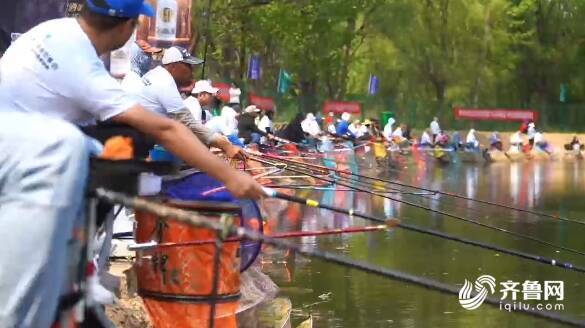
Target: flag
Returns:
[[373, 85], [564, 94], [284, 81], [254, 68]]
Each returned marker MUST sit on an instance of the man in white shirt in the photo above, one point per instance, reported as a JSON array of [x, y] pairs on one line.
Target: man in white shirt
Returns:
[[44, 157], [435, 128], [160, 94], [471, 141], [388, 129], [310, 126], [201, 95], [531, 133]]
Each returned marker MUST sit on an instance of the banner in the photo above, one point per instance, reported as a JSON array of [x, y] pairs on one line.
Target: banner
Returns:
[[19, 16], [171, 26], [340, 107], [284, 81], [495, 114], [254, 68], [263, 103], [223, 93], [374, 85]]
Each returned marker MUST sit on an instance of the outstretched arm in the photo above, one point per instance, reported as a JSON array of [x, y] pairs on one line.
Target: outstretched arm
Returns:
[[205, 135], [179, 140]]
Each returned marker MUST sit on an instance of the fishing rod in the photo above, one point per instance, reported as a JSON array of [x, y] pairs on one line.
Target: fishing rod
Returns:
[[187, 217], [482, 201], [423, 194], [396, 223], [388, 225], [457, 217], [435, 192], [334, 188]]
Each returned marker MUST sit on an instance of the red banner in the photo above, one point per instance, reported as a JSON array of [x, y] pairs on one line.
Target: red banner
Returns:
[[495, 114], [224, 91], [340, 107], [263, 103]]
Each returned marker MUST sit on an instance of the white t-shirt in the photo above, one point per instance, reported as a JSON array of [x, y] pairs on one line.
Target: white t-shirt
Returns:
[[471, 137], [435, 128], [531, 131], [194, 107], [160, 93], [355, 130], [539, 137], [132, 83], [54, 69], [388, 128], [310, 126], [265, 123], [216, 124], [425, 138], [230, 120], [397, 133]]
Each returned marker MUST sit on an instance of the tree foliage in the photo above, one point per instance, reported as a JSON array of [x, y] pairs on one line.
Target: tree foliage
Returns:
[[476, 53]]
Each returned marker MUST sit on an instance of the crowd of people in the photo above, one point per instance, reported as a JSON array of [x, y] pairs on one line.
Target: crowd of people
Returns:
[[44, 155]]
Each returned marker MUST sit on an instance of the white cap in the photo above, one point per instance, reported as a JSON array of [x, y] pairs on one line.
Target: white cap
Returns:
[[252, 109], [178, 55], [346, 116], [235, 95], [204, 86]]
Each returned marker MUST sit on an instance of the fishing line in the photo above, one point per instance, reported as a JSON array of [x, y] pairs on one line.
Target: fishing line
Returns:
[[512, 233]]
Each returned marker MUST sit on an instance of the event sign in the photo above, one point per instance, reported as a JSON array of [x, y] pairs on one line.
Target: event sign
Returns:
[[340, 107], [263, 103], [495, 114]]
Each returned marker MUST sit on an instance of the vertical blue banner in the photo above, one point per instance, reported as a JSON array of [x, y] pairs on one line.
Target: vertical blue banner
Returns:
[[254, 68], [373, 85]]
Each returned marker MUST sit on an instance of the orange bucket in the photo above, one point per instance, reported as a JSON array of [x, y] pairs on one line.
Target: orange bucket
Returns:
[[176, 282]]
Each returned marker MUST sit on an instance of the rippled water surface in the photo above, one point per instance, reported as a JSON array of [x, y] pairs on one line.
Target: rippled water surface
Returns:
[[338, 296]]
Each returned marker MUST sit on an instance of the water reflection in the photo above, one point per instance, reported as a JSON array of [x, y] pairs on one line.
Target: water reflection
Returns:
[[361, 300]]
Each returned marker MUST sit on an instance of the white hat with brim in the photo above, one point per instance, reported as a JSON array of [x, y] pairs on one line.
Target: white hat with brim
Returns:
[[252, 109], [179, 55], [204, 86]]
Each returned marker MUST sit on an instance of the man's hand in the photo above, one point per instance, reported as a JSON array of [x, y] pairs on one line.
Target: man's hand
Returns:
[[243, 186], [235, 152]]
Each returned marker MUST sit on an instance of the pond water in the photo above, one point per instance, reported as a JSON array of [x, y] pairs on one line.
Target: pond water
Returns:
[[338, 296]]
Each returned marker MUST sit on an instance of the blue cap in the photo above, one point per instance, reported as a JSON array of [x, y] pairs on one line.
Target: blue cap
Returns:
[[120, 8]]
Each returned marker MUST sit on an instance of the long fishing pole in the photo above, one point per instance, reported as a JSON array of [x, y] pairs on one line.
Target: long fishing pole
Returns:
[[397, 223], [388, 225], [524, 210], [512, 233], [192, 219]]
